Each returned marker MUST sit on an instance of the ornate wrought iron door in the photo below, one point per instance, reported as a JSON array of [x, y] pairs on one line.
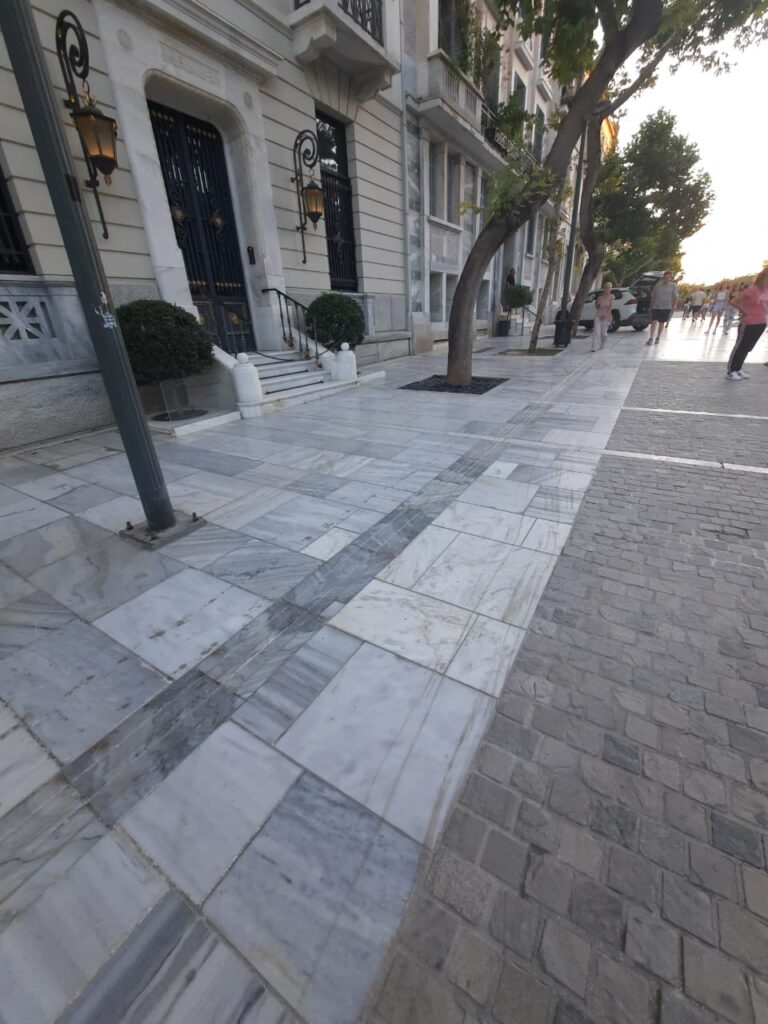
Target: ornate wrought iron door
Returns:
[[337, 188], [196, 183]]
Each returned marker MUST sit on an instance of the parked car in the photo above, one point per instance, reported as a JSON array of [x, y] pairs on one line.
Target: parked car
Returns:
[[630, 309]]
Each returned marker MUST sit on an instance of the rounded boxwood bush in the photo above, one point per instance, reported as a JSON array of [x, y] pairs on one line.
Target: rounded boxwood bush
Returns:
[[164, 341], [517, 295], [333, 319]]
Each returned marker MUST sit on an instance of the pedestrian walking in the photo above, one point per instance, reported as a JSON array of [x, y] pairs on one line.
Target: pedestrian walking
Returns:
[[730, 309], [663, 299], [686, 307], [719, 303], [753, 305], [603, 316], [697, 301]]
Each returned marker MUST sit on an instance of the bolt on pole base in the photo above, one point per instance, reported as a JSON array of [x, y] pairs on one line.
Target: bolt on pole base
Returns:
[[148, 537]]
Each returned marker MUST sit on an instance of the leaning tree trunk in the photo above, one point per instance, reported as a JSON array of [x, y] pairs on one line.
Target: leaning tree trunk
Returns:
[[551, 261], [643, 23], [590, 238]]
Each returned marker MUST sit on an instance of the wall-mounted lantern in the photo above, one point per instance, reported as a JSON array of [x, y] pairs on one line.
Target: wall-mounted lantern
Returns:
[[96, 130], [309, 196]]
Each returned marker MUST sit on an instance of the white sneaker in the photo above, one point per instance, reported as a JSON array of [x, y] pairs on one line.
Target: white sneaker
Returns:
[[649, 342], [735, 375], [743, 375]]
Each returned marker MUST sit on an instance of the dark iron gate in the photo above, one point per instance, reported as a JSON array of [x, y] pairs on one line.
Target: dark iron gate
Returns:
[[196, 183], [337, 189]]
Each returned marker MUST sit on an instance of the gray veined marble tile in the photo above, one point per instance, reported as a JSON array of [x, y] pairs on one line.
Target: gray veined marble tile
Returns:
[[247, 660], [114, 514], [132, 759], [180, 455], [28, 619], [394, 736], [179, 622], [115, 473], [463, 572], [12, 587], [371, 495], [487, 654], [414, 626], [35, 550], [95, 581], [296, 523], [50, 486], [196, 822], [204, 545], [411, 564], [558, 505], [330, 544], [514, 591], [24, 764], [263, 568], [74, 686], [508, 495], [40, 839], [50, 952], [295, 684], [69, 454], [495, 524], [80, 499], [315, 900], [19, 514], [174, 970], [548, 536], [239, 513]]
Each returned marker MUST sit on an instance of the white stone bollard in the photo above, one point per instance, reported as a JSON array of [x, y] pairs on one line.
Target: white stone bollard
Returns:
[[344, 367], [248, 393]]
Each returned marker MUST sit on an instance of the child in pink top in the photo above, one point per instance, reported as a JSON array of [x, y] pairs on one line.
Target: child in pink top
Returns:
[[603, 316], [753, 304]]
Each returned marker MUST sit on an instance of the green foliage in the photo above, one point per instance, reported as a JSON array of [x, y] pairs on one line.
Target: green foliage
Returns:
[[650, 197], [479, 51], [517, 295], [520, 183], [164, 341], [512, 119], [334, 319]]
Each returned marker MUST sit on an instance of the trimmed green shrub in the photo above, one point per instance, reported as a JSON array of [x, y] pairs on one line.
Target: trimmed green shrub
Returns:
[[334, 318], [517, 295], [164, 341]]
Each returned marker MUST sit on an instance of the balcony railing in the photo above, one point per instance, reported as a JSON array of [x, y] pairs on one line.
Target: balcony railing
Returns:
[[501, 142], [365, 13]]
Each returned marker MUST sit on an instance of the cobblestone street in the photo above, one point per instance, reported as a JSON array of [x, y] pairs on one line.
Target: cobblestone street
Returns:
[[606, 862]]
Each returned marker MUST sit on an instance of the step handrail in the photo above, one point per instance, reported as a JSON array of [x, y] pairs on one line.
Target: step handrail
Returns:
[[296, 325]]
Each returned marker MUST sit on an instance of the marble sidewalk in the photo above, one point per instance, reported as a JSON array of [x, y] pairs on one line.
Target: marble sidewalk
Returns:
[[222, 762]]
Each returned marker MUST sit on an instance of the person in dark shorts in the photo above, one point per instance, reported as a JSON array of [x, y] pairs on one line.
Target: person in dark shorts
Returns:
[[697, 301], [663, 300]]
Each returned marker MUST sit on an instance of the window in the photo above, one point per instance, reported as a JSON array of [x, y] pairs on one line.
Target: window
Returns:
[[483, 299], [530, 237], [448, 37], [538, 134], [436, 180], [451, 280], [520, 92], [337, 189], [454, 188], [436, 298], [14, 256]]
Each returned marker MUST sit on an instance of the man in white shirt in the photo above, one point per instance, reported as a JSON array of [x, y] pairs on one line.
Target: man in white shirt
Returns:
[[663, 299], [697, 301]]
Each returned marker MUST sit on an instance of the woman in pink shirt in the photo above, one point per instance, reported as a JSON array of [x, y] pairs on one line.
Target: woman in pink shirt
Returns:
[[753, 304], [603, 316]]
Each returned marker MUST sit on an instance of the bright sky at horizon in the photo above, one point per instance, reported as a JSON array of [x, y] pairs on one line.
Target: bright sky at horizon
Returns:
[[724, 116]]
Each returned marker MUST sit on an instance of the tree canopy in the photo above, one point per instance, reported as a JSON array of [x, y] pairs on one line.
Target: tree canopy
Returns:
[[651, 195]]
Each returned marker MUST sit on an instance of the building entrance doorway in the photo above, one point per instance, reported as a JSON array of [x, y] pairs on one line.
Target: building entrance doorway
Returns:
[[197, 186]]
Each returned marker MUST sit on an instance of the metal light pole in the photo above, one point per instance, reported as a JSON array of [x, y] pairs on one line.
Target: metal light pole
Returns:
[[563, 324], [28, 61]]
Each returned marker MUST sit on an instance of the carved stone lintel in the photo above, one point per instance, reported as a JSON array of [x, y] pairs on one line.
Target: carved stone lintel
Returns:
[[366, 86]]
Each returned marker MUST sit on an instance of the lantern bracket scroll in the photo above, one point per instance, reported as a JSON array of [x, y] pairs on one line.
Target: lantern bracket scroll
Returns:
[[309, 194], [97, 131]]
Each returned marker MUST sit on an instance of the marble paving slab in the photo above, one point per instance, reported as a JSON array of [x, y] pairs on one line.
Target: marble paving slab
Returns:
[[502, 470], [295, 684], [515, 589], [35, 550], [380, 497], [40, 839], [28, 619], [80, 499], [24, 764], [51, 951], [296, 523], [248, 659], [19, 514], [495, 524], [195, 823], [114, 514], [95, 581], [263, 568], [548, 536], [486, 656], [315, 900], [507, 495], [115, 473], [140, 752], [392, 735], [414, 626], [410, 565], [50, 486], [179, 455], [74, 686], [12, 587], [463, 572], [180, 621], [204, 545], [174, 970], [330, 544], [237, 514], [69, 454]]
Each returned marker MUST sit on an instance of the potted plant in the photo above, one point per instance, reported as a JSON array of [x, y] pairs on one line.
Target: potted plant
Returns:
[[334, 319], [165, 344], [514, 296]]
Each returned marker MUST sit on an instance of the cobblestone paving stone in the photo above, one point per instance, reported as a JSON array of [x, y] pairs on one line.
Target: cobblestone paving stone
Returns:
[[606, 863]]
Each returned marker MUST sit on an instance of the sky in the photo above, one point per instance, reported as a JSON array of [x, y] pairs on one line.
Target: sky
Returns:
[[725, 116]]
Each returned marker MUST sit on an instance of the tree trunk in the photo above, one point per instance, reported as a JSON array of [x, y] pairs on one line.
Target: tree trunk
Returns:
[[642, 25], [591, 240], [551, 261]]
